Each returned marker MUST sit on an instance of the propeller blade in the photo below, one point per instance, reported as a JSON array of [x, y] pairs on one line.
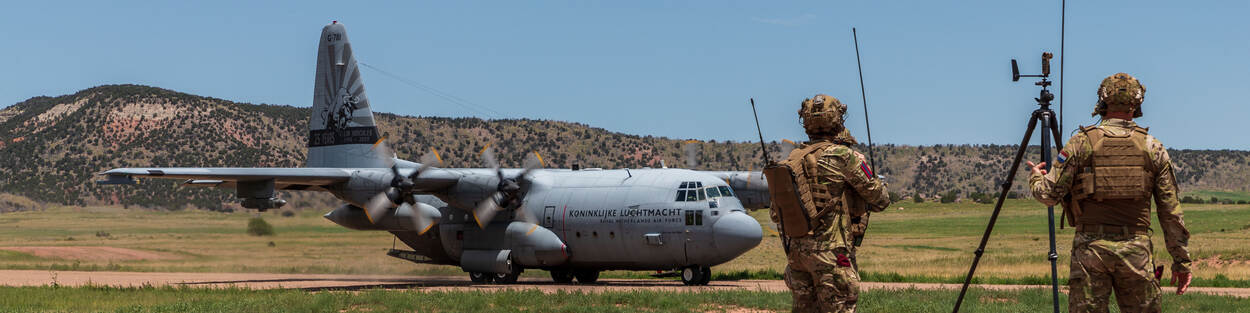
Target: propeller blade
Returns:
[[786, 147], [692, 153], [525, 216], [488, 157], [532, 161], [377, 206], [422, 222], [428, 160], [486, 209], [384, 152]]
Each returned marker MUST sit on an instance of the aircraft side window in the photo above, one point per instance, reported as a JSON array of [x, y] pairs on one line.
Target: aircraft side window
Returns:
[[689, 217], [698, 184], [681, 195], [692, 196], [683, 185], [712, 192], [726, 192], [702, 195], [698, 217]]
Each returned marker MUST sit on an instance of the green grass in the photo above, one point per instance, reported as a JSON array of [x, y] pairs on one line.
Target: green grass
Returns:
[[925, 242], [181, 299], [1206, 195]]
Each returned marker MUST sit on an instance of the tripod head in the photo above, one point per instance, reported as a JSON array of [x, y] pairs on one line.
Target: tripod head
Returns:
[[1044, 97]]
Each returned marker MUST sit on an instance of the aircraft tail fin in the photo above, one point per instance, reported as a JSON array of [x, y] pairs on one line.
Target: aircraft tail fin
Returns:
[[341, 131]]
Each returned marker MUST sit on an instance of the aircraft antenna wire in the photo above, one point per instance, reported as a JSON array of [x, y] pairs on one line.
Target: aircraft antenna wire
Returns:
[[477, 108]]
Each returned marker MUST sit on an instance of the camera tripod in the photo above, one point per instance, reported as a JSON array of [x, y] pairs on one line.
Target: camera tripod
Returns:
[[1050, 131]]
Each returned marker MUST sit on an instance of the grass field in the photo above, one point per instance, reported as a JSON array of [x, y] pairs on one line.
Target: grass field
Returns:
[[925, 242], [169, 299]]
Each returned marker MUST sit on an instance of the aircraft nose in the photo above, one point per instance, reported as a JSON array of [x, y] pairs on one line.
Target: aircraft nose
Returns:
[[736, 232]]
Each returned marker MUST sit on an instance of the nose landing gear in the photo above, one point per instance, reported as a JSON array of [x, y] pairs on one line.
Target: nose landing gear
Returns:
[[696, 275]]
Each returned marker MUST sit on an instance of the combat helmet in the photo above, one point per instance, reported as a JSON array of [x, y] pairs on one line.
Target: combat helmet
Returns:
[[822, 115], [1120, 93]]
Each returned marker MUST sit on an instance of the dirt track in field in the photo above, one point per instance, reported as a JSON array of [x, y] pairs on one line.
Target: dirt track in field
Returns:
[[318, 282], [91, 253]]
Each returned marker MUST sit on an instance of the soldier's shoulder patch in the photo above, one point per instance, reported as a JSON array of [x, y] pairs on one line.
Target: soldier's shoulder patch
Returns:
[[1063, 156], [863, 166], [838, 150]]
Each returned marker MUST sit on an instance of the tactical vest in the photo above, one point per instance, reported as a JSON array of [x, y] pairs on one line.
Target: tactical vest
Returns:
[[798, 198], [1115, 185]]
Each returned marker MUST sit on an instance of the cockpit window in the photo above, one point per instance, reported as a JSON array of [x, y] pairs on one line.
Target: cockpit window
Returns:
[[694, 191]]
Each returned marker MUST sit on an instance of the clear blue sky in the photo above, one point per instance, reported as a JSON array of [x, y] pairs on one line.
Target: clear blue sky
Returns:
[[935, 72]]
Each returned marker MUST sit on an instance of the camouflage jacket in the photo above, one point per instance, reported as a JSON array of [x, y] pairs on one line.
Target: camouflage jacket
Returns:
[[1051, 188], [841, 170]]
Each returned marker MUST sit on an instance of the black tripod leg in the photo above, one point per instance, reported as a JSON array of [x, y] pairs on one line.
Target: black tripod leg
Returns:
[[1048, 128], [989, 228], [1057, 132]]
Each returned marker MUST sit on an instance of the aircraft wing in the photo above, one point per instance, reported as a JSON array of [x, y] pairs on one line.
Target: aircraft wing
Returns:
[[225, 177]]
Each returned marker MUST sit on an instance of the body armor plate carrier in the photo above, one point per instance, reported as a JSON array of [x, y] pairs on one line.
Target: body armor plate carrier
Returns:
[[1119, 171], [797, 197]]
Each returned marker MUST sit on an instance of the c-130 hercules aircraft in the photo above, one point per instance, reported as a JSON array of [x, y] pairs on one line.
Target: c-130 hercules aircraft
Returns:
[[491, 222]]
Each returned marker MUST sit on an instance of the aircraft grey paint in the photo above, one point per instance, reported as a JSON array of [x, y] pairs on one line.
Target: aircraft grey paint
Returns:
[[750, 187], [573, 223]]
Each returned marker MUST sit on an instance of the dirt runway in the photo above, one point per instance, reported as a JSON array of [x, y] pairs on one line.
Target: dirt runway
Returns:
[[318, 282]]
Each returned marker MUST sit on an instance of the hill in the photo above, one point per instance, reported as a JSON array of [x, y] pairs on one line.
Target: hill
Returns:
[[51, 147]]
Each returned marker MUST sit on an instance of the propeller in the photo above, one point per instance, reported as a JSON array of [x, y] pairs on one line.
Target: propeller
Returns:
[[786, 146], [508, 192], [400, 193], [691, 149]]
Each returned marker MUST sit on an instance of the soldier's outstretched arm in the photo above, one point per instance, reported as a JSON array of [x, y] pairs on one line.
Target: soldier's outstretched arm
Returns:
[[860, 176], [1049, 187], [1168, 207]]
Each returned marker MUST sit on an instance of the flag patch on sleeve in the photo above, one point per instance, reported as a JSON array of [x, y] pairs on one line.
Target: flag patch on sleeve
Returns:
[[867, 171], [1063, 156]]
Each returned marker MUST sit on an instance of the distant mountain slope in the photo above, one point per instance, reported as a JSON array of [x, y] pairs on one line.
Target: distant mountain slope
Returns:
[[51, 147]]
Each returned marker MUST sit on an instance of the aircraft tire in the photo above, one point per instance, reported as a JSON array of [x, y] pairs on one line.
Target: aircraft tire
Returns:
[[707, 275], [586, 276], [562, 276], [692, 275], [479, 277], [509, 278]]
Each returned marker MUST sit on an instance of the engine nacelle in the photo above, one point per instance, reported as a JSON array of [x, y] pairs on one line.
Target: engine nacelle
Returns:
[[486, 261], [399, 219], [529, 245], [535, 246]]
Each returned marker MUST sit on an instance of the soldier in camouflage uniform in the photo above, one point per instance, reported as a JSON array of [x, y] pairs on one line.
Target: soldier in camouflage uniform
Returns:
[[1105, 177], [821, 271]]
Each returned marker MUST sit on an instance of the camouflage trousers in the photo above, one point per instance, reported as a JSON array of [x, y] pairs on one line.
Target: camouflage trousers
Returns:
[[1102, 263], [821, 279]]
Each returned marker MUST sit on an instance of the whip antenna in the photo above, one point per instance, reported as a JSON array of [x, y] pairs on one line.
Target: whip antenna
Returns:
[[864, 96], [1063, 8], [763, 148]]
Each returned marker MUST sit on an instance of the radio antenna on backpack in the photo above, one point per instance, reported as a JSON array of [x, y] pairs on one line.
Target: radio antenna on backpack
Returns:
[[864, 96], [763, 148]]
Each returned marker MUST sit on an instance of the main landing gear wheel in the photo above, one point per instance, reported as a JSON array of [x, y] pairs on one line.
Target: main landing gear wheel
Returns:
[[586, 276], [696, 275], [480, 278], [562, 276]]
